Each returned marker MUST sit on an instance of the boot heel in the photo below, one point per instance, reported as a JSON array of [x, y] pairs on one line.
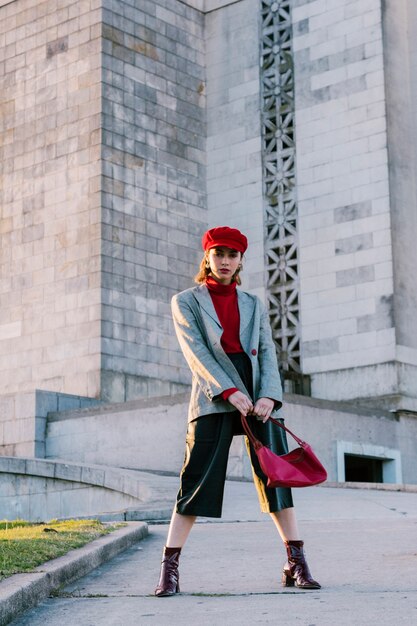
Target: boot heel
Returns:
[[286, 580], [296, 572]]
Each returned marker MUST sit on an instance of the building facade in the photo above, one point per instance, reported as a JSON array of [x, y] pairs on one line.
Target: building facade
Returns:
[[130, 127]]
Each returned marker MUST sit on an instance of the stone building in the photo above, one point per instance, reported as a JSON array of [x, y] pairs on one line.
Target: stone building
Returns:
[[130, 127]]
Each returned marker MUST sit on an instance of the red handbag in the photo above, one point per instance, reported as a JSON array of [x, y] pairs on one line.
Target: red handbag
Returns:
[[298, 468]]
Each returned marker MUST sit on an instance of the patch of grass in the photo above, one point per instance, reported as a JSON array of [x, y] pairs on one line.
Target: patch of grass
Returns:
[[24, 546], [17, 523]]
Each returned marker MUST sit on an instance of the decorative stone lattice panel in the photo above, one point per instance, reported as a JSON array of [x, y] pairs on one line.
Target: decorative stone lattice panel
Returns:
[[280, 205]]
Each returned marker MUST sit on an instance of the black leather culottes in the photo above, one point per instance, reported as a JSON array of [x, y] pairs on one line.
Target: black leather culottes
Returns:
[[207, 449]]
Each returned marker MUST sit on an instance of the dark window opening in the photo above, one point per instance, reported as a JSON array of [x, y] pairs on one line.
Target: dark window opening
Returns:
[[363, 469]]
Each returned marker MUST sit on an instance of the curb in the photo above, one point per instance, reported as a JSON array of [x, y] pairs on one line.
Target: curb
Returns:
[[160, 516], [21, 592]]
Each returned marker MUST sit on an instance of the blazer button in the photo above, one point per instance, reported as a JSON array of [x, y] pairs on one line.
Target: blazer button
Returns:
[[254, 352]]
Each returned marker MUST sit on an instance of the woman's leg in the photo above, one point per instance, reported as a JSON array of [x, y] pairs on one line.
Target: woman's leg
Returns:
[[296, 571], [179, 529], [278, 502], [201, 490], [286, 524]]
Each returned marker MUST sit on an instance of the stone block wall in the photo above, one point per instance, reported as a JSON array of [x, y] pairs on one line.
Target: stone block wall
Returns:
[[103, 192], [130, 126], [346, 246], [104, 183], [234, 166], [400, 61], [50, 103], [23, 418], [154, 128]]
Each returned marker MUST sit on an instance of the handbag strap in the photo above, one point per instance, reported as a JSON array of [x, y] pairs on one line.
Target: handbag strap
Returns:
[[256, 443]]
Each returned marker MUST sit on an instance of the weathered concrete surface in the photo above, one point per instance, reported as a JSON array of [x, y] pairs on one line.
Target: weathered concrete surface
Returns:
[[360, 545], [23, 419]]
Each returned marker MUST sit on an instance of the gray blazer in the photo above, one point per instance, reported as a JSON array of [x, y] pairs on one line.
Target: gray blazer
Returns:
[[199, 331]]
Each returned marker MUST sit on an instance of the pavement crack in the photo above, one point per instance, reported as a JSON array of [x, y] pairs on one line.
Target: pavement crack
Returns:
[[76, 594], [197, 594], [239, 595]]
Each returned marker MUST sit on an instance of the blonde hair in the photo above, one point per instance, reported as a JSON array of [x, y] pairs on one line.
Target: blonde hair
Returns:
[[205, 271]]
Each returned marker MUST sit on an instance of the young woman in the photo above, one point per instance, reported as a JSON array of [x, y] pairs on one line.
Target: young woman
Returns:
[[225, 336]]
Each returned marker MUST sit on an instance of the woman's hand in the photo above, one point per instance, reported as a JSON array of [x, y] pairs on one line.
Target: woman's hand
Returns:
[[241, 402], [263, 409]]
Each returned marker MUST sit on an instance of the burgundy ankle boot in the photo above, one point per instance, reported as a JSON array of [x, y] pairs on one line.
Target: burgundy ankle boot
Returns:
[[168, 583], [296, 570]]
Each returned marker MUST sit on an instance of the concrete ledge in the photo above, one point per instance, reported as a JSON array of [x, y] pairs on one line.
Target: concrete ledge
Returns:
[[158, 511], [377, 486], [116, 479], [36, 490], [23, 591], [120, 407], [149, 434], [339, 406]]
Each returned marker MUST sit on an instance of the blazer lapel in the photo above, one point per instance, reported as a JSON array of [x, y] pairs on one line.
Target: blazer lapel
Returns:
[[204, 299], [215, 330], [245, 305]]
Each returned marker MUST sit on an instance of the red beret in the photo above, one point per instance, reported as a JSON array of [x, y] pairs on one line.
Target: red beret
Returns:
[[224, 236]]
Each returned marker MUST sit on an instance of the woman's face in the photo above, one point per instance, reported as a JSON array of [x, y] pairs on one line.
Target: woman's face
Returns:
[[223, 263]]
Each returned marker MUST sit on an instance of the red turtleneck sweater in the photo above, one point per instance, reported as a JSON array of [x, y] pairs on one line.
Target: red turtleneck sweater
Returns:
[[224, 299]]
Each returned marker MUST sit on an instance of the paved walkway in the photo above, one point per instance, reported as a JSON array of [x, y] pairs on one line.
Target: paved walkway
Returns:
[[361, 545]]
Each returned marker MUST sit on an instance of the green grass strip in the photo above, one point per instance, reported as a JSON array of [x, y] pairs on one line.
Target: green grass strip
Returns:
[[24, 545]]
